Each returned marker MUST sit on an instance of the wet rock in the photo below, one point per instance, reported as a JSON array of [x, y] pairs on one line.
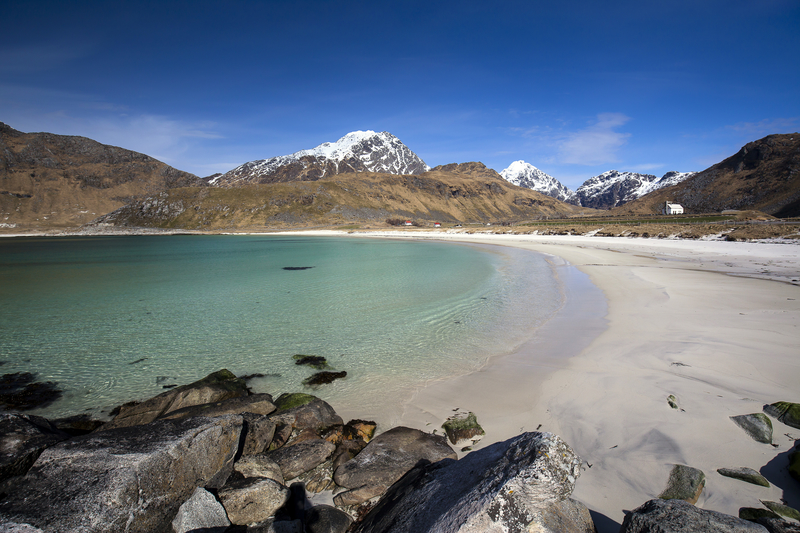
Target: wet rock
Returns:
[[745, 474], [522, 484], [201, 512], [296, 459], [259, 466], [679, 516], [685, 483], [463, 428], [327, 519], [314, 361], [786, 412], [257, 432], [386, 459], [258, 404], [22, 439], [757, 425], [215, 387], [323, 378], [253, 500], [21, 391], [127, 479]]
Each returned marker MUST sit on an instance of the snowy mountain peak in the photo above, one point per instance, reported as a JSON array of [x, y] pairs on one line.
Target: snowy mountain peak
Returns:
[[358, 151], [614, 188], [526, 175]]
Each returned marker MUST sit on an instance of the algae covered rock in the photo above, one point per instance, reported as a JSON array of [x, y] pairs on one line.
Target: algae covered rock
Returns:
[[786, 412], [757, 425], [781, 509], [462, 428], [685, 483], [745, 474], [216, 387], [794, 463]]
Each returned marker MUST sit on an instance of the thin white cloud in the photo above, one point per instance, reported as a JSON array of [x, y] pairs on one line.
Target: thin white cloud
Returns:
[[39, 57], [767, 126], [597, 144]]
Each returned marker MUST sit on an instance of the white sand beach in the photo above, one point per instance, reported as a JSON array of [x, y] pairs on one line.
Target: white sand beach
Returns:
[[713, 323]]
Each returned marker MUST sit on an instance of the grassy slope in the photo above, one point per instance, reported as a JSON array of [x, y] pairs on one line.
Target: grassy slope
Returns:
[[439, 195]]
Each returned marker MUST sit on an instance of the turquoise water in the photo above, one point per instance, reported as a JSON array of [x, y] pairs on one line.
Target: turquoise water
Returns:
[[112, 319]]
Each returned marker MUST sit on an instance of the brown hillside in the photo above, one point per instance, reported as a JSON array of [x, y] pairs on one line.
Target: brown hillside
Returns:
[[55, 181], [468, 193], [764, 175]]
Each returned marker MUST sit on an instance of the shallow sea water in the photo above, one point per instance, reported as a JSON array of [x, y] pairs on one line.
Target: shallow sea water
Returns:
[[114, 319]]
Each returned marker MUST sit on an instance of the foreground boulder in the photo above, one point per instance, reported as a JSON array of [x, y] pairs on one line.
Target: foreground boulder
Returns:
[[757, 425], [258, 404], [253, 500], [503, 487], [678, 516], [786, 412], [202, 511], [215, 387], [22, 439], [685, 483], [127, 479], [385, 460]]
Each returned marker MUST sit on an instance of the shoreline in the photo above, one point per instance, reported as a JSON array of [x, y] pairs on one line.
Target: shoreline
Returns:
[[717, 324], [714, 323]]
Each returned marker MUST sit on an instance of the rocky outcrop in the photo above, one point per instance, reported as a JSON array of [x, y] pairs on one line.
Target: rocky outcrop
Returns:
[[786, 412], [685, 483], [745, 474], [385, 460], [253, 500], [757, 425], [22, 439], [678, 516], [503, 487], [201, 512], [216, 387], [296, 459], [127, 479]]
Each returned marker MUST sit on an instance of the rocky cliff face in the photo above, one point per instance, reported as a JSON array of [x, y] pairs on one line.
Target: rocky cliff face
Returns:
[[359, 151], [51, 180]]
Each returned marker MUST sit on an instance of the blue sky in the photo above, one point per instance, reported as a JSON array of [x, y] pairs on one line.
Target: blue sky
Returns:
[[573, 87]]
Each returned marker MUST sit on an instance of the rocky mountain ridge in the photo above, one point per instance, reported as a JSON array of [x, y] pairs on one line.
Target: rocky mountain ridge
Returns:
[[613, 188], [763, 175], [449, 194], [63, 180], [358, 151], [607, 190]]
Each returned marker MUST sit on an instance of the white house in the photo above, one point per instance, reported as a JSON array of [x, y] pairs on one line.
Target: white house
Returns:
[[672, 209]]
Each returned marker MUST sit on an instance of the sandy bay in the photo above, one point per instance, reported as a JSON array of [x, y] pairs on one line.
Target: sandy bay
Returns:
[[713, 323]]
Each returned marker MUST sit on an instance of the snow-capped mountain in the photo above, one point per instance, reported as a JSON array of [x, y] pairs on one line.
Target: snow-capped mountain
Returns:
[[358, 151], [526, 175], [613, 188]]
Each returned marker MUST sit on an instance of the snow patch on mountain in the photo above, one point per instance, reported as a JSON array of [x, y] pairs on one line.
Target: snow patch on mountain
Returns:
[[358, 151], [526, 175]]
